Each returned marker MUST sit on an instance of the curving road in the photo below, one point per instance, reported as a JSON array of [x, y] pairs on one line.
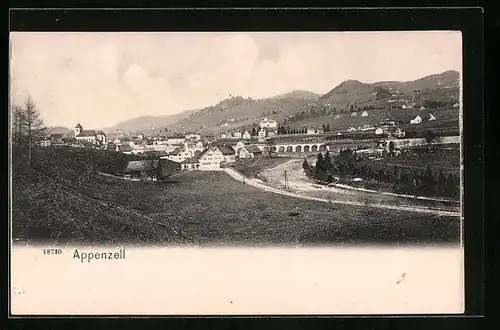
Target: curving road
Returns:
[[301, 187]]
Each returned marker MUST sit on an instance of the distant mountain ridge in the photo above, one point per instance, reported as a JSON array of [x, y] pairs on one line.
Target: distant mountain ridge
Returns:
[[239, 112]]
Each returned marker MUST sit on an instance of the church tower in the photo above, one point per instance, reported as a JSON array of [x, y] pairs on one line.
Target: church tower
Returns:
[[78, 129]]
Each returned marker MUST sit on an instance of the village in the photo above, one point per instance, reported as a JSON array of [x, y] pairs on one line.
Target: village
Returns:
[[193, 151]]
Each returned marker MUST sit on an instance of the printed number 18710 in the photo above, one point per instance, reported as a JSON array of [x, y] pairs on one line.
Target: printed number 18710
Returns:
[[52, 251]]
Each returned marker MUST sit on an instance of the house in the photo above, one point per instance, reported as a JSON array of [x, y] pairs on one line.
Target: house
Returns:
[[45, 143], [56, 137], [364, 114], [268, 123], [422, 108], [354, 114], [125, 148], [93, 136], [239, 145], [151, 169], [272, 132], [262, 132], [140, 137], [379, 131], [180, 154], [456, 105], [337, 117], [223, 135], [249, 152], [431, 117], [228, 152], [246, 135], [367, 128], [190, 164], [406, 106], [311, 130], [398, 133], [193, 136], [210, 159], [237, 134], [320, 130], [416, 120], [351, 129]]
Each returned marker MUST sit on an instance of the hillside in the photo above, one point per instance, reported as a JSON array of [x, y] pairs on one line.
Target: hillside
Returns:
[[59, 130], [147, 124], [238, 112], [241, 113], [298, 94], [62, 199]]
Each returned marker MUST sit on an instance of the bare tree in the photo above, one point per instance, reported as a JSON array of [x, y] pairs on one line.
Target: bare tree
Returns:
[[18, 124], [152, 164], [28, 125], [35, 128]]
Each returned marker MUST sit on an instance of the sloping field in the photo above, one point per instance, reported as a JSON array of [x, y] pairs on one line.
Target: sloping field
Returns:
[[207, 208]]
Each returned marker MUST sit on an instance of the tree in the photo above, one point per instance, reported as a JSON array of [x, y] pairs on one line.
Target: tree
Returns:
[[391, 148], [152, 164], [430, 136], [28, 125], [18, 125], [327, 161], [441, 184], [327, 129], [254, 132], [428, 182], [270, 143]]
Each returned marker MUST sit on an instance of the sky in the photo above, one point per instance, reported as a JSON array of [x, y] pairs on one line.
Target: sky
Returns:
[[99, 79]]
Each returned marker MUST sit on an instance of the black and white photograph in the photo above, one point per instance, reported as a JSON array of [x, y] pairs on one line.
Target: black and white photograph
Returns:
[[121, 141], [236, 138]]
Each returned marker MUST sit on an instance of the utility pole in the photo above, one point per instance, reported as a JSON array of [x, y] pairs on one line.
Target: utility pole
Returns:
[[286, 182]]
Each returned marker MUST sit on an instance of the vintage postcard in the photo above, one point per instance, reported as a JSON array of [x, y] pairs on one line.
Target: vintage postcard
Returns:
[[236, 173]]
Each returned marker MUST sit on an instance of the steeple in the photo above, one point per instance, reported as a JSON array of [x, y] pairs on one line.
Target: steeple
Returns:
[[78, 129]]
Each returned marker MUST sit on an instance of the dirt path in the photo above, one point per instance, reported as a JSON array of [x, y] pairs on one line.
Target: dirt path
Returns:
[[303, 188]]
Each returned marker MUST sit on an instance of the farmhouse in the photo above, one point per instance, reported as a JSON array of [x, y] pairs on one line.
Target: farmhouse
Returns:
[[268, 123], [190, 164], [422, 108], [152, 169], [180, 154], [210, 159], [320, 130], [354, 114], [56, 137], [379, 131], [311, 130], [416, 120], [249, 152], [91, 135], [337, 117], [223, 135], [246, 135], [364, 114], [192, 136], [228, 152], [237, 134], [271, 132], [456, 105], [125, 148]]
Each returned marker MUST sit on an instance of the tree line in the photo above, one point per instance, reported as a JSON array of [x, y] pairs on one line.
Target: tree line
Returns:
[[27, 126], [402, 180]]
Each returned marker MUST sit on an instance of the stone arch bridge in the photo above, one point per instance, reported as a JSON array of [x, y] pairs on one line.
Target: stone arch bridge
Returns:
[[296, 147]]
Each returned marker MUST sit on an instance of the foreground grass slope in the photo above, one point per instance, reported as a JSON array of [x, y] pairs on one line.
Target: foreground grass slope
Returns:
[[202, 207]]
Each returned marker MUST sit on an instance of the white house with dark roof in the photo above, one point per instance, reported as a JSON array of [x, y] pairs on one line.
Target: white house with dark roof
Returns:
[[246, 135], [90, 135], [249, 151]]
